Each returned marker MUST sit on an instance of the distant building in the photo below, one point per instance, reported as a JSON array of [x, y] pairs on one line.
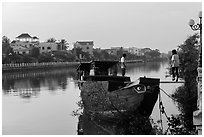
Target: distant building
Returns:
[[116, 48], [85, 45], [136, 51], [144, 50], [21, 50], [112, 51], [24, 43], [47, 47], [25, 37], [98, 50]]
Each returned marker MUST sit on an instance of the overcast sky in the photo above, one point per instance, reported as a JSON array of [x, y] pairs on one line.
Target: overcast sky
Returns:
[[128, 24]]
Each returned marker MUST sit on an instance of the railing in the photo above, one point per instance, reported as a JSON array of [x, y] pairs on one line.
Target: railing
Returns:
[[17, 66]]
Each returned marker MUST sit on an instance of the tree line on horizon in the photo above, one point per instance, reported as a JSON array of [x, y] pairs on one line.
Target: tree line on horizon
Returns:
[[75, 54]]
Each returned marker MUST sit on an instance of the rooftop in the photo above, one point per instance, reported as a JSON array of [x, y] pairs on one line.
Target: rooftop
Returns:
[[85, 42], [24, 35], [35, 37]]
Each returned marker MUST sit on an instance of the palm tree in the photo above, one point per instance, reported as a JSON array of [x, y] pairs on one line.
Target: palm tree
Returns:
[[63, 44]]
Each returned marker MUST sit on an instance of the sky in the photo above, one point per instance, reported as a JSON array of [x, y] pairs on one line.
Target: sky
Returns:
[[155, 25]]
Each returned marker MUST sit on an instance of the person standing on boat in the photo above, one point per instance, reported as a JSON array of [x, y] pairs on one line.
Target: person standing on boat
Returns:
[[123, 64], [175, 65]]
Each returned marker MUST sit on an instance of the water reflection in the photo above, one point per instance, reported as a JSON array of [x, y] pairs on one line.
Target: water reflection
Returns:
[[30, 83], [23, 93], [128, 124], [144, 67], [89, 126]]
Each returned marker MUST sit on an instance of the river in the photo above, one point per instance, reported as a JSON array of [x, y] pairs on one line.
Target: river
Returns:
[[42, 102]]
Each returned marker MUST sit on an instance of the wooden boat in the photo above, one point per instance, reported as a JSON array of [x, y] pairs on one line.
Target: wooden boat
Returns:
[[107, 95]]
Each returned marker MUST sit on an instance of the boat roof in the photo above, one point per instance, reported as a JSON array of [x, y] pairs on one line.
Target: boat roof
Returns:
[[104, 64], [84, 66], [99, 64]]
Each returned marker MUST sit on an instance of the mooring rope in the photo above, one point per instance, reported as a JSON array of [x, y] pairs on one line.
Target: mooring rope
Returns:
[[167, 94], [162, 109], [160, 113]]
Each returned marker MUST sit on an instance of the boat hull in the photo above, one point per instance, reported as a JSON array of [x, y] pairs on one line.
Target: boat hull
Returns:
[[98, 99]]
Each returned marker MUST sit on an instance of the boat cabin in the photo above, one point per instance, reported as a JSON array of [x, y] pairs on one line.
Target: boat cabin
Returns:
[[100, 71]]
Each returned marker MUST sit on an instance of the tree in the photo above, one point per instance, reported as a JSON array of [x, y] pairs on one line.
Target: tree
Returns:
[[153, 53], [186, 95], [63, 43], [5, 41], [63, 56], [6, 49], [120, 52], [35, 52], [51, 40], [45, 57], [79, 54]]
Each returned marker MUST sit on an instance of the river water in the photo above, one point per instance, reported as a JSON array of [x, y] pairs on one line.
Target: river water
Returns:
[[42, 102]]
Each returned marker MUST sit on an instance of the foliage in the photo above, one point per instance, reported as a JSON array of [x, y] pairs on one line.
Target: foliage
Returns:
[[186, 95], [6, 48], [5, 41], [187, 103], [103, 55], [51, 40], [15, 58], [120, 52], [152, 54], [155, 127], [64, 44], [188, 56], [63, 56], [27, 58], [45, 57], [80, 55], [35, 52], [176, 126], [78, 111]]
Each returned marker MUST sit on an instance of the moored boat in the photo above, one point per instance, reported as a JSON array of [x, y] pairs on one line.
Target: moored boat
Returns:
[[107, 95]]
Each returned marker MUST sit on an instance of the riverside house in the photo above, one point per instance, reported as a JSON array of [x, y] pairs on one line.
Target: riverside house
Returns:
[[85, 45], [24, 43]]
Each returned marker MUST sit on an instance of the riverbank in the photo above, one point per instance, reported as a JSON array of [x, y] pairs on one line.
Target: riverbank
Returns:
[[46, 65], [29, 66]]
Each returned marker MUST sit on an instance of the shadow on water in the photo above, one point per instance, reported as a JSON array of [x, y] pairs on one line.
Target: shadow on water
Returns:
[[29, 83], [128, 124]]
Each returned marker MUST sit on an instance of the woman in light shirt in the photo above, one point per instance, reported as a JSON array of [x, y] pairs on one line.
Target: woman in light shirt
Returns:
[[123, 65], [175, 64]]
